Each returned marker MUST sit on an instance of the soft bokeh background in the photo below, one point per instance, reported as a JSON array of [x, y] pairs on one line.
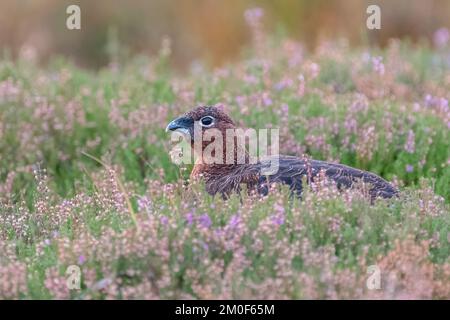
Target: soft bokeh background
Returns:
[[208, 30]]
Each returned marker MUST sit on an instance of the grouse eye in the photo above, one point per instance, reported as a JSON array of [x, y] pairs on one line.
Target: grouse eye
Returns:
[[207, 121]]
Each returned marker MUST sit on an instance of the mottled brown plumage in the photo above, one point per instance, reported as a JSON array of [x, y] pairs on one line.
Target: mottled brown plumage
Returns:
[[227, 178]]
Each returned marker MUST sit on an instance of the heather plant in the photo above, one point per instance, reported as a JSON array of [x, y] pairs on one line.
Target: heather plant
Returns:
[[86, 177]]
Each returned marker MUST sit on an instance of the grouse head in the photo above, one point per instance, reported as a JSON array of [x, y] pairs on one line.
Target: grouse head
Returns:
[[206, 117], [208, 129]]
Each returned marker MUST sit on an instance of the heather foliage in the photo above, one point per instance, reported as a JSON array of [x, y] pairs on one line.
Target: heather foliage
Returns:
[[86, 178]]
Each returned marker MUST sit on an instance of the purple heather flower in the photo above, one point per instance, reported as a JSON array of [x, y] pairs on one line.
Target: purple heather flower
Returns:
[[278, 219], [428, 100], [190, 218], [279, 86], [234, 221], [250, 79], [253, 15], [240, 100], [285, 108], [205, 221], [441, 37], [410, 145], [278, 209], [284, 83], [102, 284], [144, 204], [81, 260], [377, 64], [436, 102], [164, 220], [266, 99], [409, 168]]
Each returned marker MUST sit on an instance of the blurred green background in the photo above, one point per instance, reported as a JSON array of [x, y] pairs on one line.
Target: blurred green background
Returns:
[[212, 31]]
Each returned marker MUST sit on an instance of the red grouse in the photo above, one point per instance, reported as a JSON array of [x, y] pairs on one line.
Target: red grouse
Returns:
[[227, 178]]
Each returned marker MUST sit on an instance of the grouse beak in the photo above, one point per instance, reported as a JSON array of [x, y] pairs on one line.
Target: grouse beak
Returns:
[[181, 124]]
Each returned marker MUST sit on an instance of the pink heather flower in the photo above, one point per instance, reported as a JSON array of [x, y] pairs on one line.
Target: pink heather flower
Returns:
[[278, 208], [409, 168], [410, 145], [377, 65], [429, 100], [334, 224], [250, 79], [253, 15], [144, 204], [240, 100], [205, 221], [9, 90], [278, 218], [441, 37], [301, 86], [314, 70]]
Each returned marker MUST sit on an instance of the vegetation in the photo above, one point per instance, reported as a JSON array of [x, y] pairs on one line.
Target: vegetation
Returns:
[[86, 177]]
